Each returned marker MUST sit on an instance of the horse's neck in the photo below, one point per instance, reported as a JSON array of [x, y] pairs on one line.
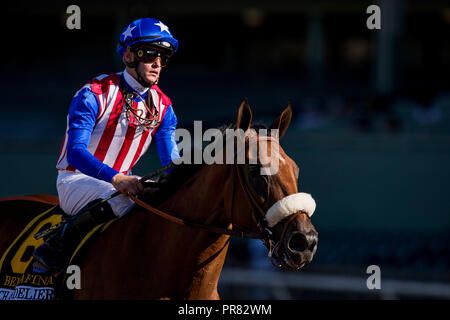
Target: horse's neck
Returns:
[[195, 255], [201, 199]]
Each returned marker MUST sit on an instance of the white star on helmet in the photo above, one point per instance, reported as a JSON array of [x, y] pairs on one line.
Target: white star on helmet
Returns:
[[127, 33], [163, 27]]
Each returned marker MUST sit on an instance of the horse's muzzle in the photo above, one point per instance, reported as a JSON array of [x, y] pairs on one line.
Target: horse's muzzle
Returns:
[[299, 242], [300, 248]]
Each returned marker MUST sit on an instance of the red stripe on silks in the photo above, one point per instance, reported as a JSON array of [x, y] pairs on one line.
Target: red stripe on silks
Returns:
[[144, 138], [99, 86], [70, 168], [61, 149], [102, 111], [100, 108], [129, 136], [64, 155], [108, 133]]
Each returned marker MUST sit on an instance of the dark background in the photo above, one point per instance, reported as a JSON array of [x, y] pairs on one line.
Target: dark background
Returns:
[[371, 127]]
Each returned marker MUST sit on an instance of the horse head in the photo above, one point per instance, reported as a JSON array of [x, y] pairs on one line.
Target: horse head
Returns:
[[271, 196]]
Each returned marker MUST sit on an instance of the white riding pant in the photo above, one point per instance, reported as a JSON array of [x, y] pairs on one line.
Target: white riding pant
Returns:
[[76, 190]]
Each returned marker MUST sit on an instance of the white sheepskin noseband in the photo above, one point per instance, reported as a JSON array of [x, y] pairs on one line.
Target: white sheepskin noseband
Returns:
[[290, 205]]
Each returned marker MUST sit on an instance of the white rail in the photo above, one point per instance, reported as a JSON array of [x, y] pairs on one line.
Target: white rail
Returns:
[[280, 282]]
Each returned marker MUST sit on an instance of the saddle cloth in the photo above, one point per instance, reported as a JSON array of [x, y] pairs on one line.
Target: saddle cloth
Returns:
[[18, 281]]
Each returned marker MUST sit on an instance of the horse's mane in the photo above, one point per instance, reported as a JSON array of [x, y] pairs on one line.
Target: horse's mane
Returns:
[[172, 181]]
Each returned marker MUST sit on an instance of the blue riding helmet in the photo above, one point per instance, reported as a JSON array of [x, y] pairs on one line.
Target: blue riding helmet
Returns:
[[146, 30]]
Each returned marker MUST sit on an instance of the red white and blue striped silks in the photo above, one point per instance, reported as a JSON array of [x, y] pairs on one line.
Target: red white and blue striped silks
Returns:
[[100, 141]]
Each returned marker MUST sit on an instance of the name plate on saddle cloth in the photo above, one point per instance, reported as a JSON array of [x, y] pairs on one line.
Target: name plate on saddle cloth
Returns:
[[17, 279]]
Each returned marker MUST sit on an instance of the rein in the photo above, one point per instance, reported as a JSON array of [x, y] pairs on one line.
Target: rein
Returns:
[[184, 222]]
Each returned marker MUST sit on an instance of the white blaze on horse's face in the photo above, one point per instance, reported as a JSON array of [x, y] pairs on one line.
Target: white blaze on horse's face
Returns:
[[289, 205], [267, 150]]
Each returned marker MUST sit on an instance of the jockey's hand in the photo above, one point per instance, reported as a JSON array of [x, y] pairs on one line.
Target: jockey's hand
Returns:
[[127, 184]]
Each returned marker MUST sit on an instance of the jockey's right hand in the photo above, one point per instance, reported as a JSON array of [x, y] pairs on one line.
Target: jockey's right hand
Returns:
[[127, 184]]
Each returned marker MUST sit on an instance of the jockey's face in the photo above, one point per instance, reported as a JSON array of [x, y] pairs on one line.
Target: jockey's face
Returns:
[[149, 71]]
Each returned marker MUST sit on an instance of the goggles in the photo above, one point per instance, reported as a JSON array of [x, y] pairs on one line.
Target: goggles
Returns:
[[149, 54]]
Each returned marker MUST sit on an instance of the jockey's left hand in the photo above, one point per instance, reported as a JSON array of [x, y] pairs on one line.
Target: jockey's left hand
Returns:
[[127, 184]]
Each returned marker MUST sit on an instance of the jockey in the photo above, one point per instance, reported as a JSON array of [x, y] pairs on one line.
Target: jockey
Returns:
[[111, 123]]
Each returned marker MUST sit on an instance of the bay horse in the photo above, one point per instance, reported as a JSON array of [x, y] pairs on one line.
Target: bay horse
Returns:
[[143, 256]]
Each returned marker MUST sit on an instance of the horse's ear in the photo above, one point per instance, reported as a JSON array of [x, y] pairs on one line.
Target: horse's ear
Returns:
[[244, 118], [283, 121]]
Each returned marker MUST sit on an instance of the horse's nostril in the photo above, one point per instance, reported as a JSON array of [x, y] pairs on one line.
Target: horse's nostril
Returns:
[[298, 242]]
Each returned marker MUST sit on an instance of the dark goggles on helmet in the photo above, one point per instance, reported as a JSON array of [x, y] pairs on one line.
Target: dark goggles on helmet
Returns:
[[148, 54]]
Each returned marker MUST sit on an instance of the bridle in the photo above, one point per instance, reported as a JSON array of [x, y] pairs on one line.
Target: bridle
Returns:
[[264, 233], [257, 206]]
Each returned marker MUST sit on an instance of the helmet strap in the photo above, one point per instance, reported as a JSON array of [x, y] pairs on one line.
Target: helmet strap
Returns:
[[141, 80]]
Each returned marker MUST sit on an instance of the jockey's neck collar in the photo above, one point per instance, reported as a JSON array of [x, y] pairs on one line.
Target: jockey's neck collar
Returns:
[[132, 83]]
